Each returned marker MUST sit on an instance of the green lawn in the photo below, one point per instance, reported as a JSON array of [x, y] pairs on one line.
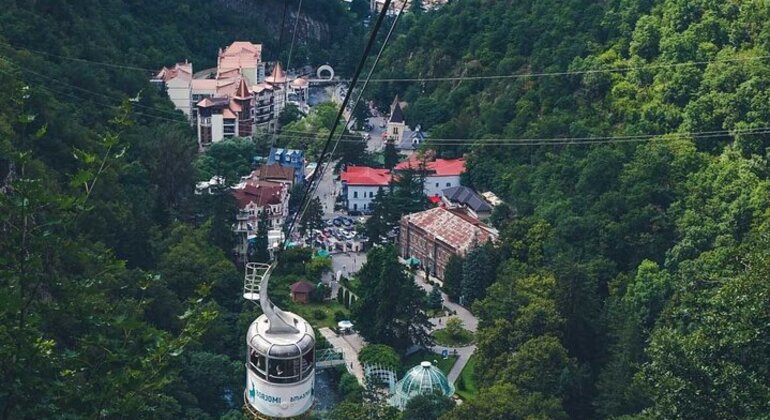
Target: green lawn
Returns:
[[445, 339], [426, 355], [329, 308], [466, 381]]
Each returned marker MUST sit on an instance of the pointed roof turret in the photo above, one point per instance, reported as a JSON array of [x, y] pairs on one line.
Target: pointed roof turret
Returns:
[[278, 76], [396, 115], [242, 91]]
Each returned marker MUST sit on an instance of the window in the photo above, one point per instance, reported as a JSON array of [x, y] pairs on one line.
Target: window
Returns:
[[395, 131], [355, 206], [371, 194], [257, 362], [448, 184], [437, 185], [355, 194], [284, 370], [308, 362]]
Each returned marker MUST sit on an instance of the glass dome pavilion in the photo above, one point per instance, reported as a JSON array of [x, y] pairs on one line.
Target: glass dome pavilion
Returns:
[[420, 380]]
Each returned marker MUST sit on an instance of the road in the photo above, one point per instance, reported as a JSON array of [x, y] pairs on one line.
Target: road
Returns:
[[470, 322], [350, 346], [376, 143]]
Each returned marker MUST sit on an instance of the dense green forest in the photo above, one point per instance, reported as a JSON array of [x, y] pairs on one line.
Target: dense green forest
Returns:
[[632, 279], [119, 295], [631, 274]]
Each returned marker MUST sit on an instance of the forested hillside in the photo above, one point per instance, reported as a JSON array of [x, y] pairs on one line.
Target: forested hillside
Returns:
[[633, 276], [118, 297]]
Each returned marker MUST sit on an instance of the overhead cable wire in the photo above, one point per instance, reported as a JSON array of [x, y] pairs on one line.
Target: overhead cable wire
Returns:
[[340, 113], [293, 35], [324, 168], [564, 73]]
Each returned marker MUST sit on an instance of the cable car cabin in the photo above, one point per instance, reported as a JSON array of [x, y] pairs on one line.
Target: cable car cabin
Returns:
[[280, 371]]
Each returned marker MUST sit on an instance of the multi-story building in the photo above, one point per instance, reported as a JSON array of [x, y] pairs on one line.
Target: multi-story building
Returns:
[[289, 158], [177, 81], [468, 199], [360, 185], [230, 113], [439, 174], [253, 198], [434, 235], [237, 100]]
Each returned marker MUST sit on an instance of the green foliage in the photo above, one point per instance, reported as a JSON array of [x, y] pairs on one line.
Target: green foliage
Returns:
[[380, 354], [289, 114], [349, 388], [427, 407], [316, 267], [312, 218], [261, 243], [229, 159], [435, 301], [454, 327], [391, 155], [389, 308], [505, 401], [453, 277], [319, 314]]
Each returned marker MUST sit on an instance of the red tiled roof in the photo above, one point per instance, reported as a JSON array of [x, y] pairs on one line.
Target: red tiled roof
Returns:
[[364, 175], [302, 287], [258, 193], [183, 70], [274, 171], [439, 167], [240, 54], [204, 84], [242, 91], [456, 229], [277, 76]]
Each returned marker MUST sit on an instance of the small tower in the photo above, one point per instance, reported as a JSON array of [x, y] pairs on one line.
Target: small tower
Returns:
[[396, 123], [244, 102], [280, 365]]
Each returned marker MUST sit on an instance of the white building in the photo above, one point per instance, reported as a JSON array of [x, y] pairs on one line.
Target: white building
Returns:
[[361, 184], [440, 174], [177, 81]]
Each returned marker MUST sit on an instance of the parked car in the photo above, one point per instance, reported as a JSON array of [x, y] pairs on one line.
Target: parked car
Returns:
[[337, 222], [354, 213], [347, 222]]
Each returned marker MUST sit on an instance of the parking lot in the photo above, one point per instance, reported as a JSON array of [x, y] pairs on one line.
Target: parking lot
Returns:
[[339, 235]]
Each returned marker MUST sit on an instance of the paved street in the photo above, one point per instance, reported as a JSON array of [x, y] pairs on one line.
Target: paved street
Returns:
[[375, 143], [469, 322], [350, 346]]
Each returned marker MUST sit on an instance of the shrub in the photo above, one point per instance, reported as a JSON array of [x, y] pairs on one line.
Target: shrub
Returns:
[[319, 314], [339, 316]]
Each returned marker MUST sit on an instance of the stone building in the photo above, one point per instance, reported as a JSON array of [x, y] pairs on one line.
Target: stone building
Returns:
[[434, 235]]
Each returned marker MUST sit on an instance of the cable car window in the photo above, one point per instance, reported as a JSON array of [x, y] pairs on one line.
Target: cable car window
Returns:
[[307, 363], [258, 363], [284, 370]]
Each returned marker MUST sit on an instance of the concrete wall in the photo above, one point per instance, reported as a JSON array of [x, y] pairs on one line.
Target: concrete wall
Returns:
[[180, 94], [435, 184], [217, 128]]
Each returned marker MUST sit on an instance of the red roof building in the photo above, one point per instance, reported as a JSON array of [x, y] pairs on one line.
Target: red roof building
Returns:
[[440, 174], [361, 184], [301, 291], [434, 235], [364, 175]]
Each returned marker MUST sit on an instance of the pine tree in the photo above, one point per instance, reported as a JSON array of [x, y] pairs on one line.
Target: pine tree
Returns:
[[453, 277], [313, 217], [261, 250], [434, 298], [390, 155]]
